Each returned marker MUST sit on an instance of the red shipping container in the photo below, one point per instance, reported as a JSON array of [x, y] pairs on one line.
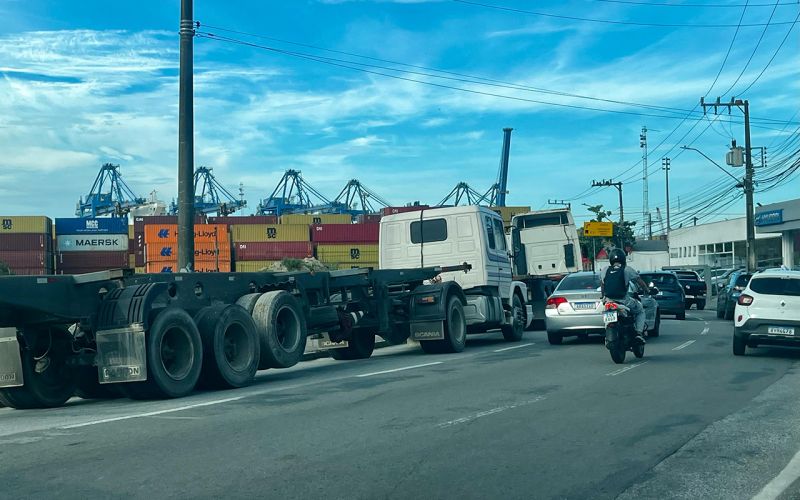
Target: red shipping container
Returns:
[[141, 221], [84, 270], [199, 267], [27, 259], [400, 210], [368, 218], [31, 271], [244, 219], [272, 250], [102, 260], [23, 242], [345, 233]]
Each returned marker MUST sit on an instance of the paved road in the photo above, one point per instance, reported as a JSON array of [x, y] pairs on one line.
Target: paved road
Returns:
[[499, 420]]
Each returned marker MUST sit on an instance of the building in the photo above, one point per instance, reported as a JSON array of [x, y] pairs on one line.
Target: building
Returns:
[[649, 255], [722, 244], [784, 219]]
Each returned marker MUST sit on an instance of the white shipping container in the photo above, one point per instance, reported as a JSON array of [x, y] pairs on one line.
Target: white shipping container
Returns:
[[92, 242]]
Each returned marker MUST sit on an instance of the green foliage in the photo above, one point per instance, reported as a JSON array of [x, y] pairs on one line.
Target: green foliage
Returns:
[[623, 233], [4, 269]]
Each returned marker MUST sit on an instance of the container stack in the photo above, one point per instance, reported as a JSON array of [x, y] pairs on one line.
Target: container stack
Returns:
[[137, 234], [257, 246], [212, 248], [308, 219], [400, 210], [345, 246], [85, 245], [26, 244]]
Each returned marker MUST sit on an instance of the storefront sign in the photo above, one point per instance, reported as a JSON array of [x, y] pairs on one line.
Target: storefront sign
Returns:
[[769, 217]]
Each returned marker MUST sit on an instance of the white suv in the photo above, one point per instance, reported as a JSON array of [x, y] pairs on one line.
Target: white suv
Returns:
[[768, 311]]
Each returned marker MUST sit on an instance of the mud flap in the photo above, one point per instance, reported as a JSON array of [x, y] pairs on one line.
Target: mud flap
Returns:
[[324, 342], [10, 359], [427, 330], [121, 355]]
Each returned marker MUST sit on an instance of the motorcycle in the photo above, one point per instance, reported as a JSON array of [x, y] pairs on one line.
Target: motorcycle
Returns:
[[620, 332]]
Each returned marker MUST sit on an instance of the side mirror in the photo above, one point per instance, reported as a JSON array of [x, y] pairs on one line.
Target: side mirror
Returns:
[[654, 290]]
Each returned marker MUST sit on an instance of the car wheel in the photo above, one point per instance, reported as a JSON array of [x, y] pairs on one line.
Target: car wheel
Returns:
[[720, 310], [728, 314], [701, 304], [681, 315], [739, 346], [554, 338], [656, 331]]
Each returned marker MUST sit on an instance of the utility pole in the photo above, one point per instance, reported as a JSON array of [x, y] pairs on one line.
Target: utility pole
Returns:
[[665, 166], [645, 188], [750, 243], [618, 185], [560, 202], [186, 142]]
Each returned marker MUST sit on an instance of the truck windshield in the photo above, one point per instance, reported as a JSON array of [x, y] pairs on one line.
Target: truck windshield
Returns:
[[539, 220]]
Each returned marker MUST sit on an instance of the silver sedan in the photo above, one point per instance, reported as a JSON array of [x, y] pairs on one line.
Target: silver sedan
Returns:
[[576, 308]]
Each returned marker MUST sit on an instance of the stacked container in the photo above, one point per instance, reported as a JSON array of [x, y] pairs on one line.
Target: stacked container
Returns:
[[212, 248], [137, 234], [85, 245], [308, 219], [344, 246], [257, 246], [400, 210], [26, 244]]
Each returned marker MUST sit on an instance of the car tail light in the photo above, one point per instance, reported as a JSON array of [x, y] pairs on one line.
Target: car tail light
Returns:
[[610, 306], [554, 302], [745, 300]]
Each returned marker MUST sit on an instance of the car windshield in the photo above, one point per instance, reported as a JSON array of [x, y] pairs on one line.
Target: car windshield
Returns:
[[687, 275], [776, 286], [580, 282], [662, 281]]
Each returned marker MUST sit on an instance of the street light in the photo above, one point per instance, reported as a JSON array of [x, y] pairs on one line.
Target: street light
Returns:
[[738, 181]]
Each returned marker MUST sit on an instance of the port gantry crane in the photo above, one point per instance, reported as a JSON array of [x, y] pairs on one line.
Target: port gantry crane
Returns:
[[118, 200], [294, 195], [210, 196], [355, 194]]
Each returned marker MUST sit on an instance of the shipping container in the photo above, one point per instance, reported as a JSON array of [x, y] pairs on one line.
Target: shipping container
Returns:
[[140, 221], [131, 231], [351, 265], [25, 224], [92, 225], [402, 210], [203, 251], [92, 243], [270, 232], [199, 267], [272, 250], [25, 241], [308, 219], [83, 270], [140, 270], [139, 258], [368, 218], [30, 271], [168, 233], [244, 219], [508, 212], [131, 261], [352, 253], [345, 233], [131, 246], [253, 266], [104, 260], [27, 259]]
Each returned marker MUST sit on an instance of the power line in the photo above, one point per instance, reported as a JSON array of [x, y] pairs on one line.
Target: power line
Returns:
[[738, 26], [700, 5], [771, 58], [610, 21]]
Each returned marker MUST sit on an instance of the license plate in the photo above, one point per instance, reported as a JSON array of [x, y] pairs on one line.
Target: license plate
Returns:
[[781, 330], [689, 296], [582, 306], [610, 317]]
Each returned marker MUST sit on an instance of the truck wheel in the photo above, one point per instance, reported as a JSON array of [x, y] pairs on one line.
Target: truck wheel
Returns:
[[555, 338], [514, 331], [359, 347], [174, 357], [281, 328], [455, 330], [701, 304], [88, 386], [230, 346], [49, 380], [248, 302]]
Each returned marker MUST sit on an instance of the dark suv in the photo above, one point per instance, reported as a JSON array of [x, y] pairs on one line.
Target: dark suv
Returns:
[[670, 296], [729, 293], [694, 289]]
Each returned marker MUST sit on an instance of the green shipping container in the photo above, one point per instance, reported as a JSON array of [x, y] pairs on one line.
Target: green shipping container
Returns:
[[316, 219], [245, 233], [25, 224], [347, 253], [253, 266]]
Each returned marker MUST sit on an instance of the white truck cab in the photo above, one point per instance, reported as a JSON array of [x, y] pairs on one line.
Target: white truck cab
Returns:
[[471, 234]]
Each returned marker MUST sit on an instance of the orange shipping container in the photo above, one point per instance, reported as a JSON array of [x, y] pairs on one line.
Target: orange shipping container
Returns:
[[203, 251], [168, 233], [199, 267]]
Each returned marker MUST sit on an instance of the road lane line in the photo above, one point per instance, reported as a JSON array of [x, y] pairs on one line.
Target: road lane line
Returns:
[[150, 413], [684, 345], [399, 369], [514, 347], [623, 370], [782, 481], [486, 413], [706, 329]]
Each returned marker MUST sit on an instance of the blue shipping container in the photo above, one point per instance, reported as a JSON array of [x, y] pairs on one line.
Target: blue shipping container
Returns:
[[92, 225]]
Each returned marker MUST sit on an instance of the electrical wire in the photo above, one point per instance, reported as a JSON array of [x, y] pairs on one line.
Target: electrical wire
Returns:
[[771, 58], [730, 47], [700, 5]]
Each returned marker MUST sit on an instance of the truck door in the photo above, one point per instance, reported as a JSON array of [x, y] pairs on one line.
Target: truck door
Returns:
[[498, 266], [518, 250]]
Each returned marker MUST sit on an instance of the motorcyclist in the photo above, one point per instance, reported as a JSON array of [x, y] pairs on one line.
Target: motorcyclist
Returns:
[[619, 282]]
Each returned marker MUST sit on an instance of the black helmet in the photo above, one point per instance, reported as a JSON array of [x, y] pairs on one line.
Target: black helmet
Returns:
[[616, 256]]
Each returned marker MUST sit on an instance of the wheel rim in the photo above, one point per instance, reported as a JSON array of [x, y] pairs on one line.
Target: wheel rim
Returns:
[[237, 347], [177, 355], [287, 328], [456, 325]]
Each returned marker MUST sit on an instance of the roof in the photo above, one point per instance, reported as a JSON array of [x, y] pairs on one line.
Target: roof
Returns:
[[433, 212], [651, 246], [780, 272]]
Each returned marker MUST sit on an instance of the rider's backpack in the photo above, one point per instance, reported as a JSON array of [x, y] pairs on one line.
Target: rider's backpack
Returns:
[[614, 283]]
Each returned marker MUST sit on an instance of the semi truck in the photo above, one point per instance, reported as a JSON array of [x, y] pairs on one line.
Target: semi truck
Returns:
[[144, 336]]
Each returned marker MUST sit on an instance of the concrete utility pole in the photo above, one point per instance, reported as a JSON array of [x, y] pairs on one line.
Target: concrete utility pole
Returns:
[[750, 243], [665, 162], [618, 185], [186, 142], [645, 187]]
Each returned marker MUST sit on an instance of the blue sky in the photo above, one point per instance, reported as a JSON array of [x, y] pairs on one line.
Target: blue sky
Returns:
[[86, 82]]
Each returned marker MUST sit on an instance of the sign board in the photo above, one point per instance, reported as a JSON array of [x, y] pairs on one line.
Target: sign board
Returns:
[[92, 242], [592, 228], [769, 217], [92, 225]]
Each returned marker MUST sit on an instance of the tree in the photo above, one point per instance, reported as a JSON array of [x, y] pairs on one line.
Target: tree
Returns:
[[4, 269], [623, 233]]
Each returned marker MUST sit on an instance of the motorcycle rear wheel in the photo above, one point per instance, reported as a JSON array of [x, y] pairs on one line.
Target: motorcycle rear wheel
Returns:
[[638, 350]]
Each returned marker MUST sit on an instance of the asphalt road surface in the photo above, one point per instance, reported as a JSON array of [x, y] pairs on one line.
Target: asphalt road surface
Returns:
[[525, 420]]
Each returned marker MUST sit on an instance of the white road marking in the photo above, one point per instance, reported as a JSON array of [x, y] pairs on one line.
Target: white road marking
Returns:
[[706, 329], [782, 481], [151, 413], [514, 347], [623, 370], [486, 413], [685, 344], [399, 369]]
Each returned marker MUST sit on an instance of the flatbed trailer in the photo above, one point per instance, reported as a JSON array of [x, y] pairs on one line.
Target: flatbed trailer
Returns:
[[114, 333]]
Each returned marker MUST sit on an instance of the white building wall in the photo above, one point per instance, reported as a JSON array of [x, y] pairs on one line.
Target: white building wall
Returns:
[[689, 245], [648, 261]]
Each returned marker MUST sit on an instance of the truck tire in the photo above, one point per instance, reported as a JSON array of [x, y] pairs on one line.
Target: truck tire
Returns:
[[514, 331], [455, 330], [230, 346], [174, 357], [360, 346], [88, 386], [49, 380], [281, 328], [248, 302]]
